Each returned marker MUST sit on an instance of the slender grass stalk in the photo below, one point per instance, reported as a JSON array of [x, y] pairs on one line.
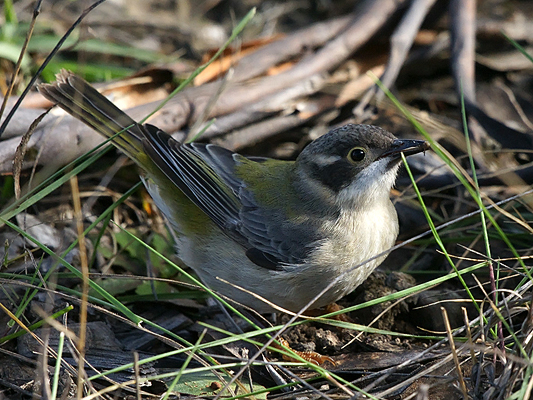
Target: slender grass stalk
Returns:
[[57, 368], [184, 366], [25, 301], [518, 46], [36, 325]]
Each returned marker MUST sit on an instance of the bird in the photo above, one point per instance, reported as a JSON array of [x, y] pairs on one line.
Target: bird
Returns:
[[269, 234]]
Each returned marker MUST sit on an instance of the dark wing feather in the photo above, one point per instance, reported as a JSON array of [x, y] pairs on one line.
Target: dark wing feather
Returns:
[[206, 174], [267, 231], [186, 168]]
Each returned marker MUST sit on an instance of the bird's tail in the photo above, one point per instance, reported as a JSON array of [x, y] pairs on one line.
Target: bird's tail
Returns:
[[85, 103]]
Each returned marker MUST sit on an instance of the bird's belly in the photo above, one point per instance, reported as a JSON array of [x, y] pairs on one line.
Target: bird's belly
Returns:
[[223, 266]]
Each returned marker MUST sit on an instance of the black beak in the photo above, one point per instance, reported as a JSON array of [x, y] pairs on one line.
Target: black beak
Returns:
[[406, 146]]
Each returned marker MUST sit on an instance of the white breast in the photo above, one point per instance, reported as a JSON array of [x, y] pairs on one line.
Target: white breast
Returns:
[[358, 237]]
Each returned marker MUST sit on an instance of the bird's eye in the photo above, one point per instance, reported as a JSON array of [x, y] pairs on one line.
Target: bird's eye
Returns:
[[356, 155]]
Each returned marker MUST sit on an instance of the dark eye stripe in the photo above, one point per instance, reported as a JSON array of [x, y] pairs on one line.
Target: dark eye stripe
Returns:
[[336, 176]]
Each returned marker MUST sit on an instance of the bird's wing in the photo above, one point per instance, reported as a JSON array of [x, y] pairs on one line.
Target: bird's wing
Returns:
[[206, 174]]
